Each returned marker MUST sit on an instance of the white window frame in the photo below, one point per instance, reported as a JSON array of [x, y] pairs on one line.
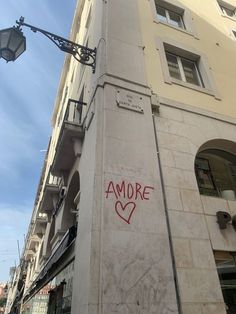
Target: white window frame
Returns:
[[181, 69], [167, 15]]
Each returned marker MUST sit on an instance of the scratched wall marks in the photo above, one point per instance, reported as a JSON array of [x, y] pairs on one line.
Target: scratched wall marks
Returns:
[[126, 195]]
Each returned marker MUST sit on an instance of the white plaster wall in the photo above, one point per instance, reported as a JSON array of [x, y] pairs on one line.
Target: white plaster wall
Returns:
[[120, 267], [136, 263], [124, 52], [194, 229]]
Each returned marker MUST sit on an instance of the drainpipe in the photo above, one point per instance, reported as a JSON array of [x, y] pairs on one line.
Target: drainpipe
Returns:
[[168, 222]]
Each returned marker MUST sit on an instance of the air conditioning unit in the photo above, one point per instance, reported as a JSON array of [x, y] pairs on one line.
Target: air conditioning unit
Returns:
[[62, 193]]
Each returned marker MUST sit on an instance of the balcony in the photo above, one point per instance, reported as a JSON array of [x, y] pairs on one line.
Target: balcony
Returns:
[[50, 193], [56, 239], [40, 224], [42, 218], [70, 138], [33, 241], [29, 254]]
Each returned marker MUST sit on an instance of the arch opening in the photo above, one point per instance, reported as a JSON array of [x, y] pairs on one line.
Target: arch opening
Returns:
[[70, 207], [215, 169]]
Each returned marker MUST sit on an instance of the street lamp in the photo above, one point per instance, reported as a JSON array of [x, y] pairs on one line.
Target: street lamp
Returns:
[[13, 44]]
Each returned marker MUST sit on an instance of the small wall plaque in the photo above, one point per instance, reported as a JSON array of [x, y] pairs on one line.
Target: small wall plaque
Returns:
[[129, 101]]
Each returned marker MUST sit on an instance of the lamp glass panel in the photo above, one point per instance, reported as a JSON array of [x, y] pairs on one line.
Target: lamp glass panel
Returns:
[[20, 49], [4, 37], [7, 54], [15, 40]]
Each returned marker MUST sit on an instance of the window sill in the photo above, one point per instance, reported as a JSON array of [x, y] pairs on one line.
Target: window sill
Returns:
[[228, 17], [217, 197], [192, 86], [176, 28]]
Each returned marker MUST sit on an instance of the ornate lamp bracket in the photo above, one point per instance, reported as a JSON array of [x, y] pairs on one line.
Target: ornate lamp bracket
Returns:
[[82, 54]]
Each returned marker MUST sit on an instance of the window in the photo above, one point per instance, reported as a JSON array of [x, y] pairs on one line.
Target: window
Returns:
[[62, 105], [183, 69], [204, 176], [227, 9], [216, 173], [81, 105], [170, 17], [88, 19], [171, 14], [234, 33], [186, 67], [226, 268]]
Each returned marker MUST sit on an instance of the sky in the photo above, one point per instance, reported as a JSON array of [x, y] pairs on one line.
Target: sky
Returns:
[[28, 90]]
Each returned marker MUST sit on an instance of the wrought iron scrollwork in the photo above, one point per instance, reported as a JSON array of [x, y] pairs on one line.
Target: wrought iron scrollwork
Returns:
[[82, 54]]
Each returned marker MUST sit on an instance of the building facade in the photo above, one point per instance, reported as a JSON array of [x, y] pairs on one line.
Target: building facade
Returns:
[[3, 297], [135, 209]]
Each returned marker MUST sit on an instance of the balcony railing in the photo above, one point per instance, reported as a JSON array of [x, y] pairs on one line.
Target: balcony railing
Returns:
[[51, 188], [74, 111], [42, 218], [33, 241], [28, 254], [39, 224], [53, 180], [72, 130]]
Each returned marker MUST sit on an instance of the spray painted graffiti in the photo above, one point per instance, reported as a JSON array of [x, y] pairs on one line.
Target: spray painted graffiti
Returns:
[[126, 194], [125, 212]]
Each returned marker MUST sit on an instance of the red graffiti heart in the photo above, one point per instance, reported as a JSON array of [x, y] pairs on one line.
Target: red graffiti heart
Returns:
[[125, 212]]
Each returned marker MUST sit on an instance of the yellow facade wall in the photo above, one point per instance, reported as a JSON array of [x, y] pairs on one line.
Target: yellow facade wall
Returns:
[[213, 38]]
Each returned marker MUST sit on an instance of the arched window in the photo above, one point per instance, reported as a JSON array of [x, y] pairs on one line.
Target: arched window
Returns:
[[215, 170]]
